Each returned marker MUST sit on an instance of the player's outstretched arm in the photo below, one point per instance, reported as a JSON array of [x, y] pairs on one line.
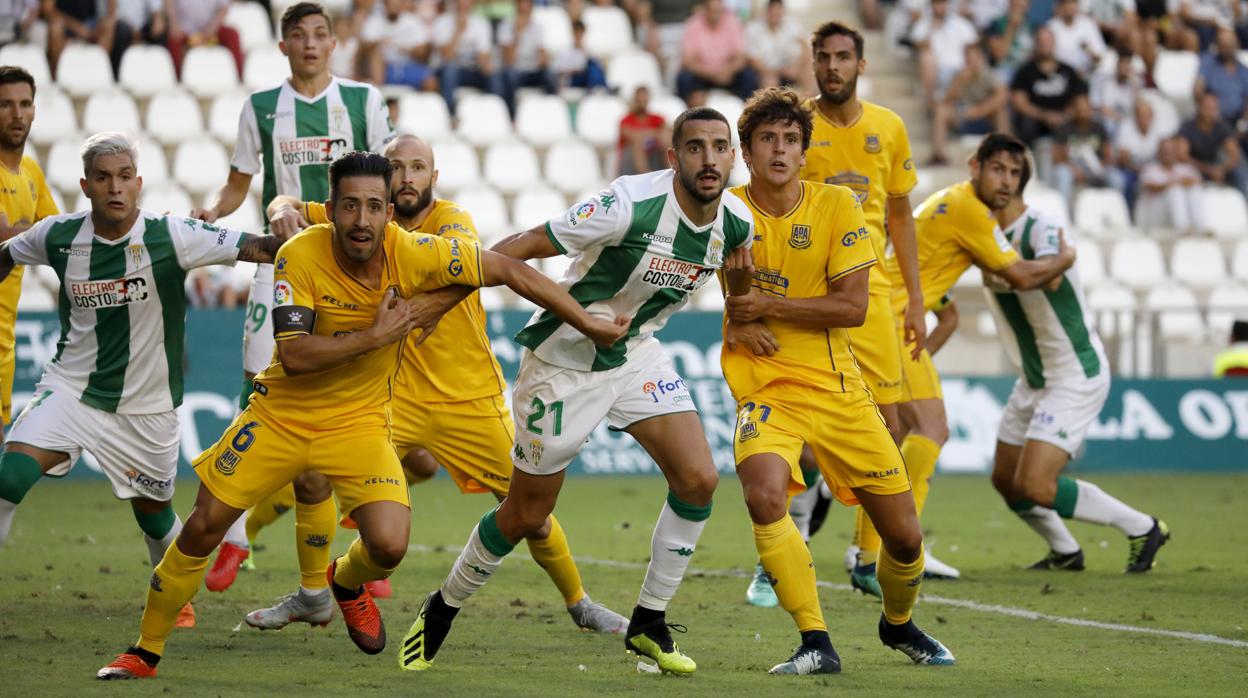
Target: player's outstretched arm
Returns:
[[533, 243], [1031, 274], [261, 249], [498, 269], [946, 324], [901, 234], [285, 214], [302, 352], [6, 261], [428, 308], [845, 304], [228, 198]]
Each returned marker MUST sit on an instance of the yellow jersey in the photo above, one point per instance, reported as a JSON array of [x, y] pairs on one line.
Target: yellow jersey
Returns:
[[306, 274], [456, 363], [871, 157], [799, 255], [954, 230]]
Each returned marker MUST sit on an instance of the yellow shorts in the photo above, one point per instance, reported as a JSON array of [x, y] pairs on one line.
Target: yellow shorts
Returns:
[[471, 439], [257, 455], [10, 290], [876, 345], [845, 430], [922, 382]]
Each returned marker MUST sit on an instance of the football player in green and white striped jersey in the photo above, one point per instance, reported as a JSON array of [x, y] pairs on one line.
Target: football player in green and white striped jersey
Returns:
[[115, 383]]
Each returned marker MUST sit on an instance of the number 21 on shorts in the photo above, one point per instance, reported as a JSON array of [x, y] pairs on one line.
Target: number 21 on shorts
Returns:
[[746, 427], [540, 410]]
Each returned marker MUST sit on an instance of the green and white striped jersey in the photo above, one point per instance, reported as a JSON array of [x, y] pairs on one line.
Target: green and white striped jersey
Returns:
[[122, 304], [635, 254], [293, 138], [1048, 335]]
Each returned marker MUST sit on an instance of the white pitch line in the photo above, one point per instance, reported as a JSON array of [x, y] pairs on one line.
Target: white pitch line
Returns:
[[926, 598]]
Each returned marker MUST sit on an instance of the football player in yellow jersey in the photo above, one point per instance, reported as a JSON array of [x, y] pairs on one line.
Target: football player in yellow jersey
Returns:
[[449, 388], [811, 263], [24, 200], [339, 318]]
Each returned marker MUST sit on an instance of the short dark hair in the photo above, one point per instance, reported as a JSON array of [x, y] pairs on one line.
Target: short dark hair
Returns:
[[994, 143], [1025, 176], [696, 114], [835, 28], [358, 163], [771, 105], [10, 74], [298, 11], [1239, 331], [578, 25]]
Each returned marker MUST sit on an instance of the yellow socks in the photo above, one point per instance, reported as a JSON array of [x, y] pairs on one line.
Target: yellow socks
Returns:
[[899, 584], [554, 556], [269, 508], [787, 561], [356, 567], [174, 582], [314, 531], [920, 454]]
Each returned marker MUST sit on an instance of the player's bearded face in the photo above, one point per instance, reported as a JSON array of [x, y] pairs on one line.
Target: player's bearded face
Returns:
[[837, 65], [17, 112], [113, 186], [996, 180], [704, 159], [361, 211]]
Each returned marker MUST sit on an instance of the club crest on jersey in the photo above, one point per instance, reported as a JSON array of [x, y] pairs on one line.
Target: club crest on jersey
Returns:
[[227, 462], [748, 431], [873, 143], [716, 252], [136, 254], [582, 213], [339, 114], [535, 451], [799, 237]]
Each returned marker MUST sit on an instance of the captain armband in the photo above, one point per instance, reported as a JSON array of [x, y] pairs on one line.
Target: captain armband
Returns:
[[293, 319]]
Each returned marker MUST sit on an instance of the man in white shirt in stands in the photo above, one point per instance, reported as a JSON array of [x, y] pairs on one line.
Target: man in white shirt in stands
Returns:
[[1077, 40], [941, 39]]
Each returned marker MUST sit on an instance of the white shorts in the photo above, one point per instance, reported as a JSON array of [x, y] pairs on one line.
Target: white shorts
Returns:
[[556, 409], [137, 452], [1060, 415], [258, 342]]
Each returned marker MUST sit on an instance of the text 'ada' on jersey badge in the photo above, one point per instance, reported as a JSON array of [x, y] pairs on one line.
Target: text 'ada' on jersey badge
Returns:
[[799, 238], [873, 143]]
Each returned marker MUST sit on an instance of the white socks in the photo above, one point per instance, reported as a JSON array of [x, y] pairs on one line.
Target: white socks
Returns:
[[1050, 526], [800, 509], [7, 510], [1095, 506], [671, 548], [156, 548], [237, 535]]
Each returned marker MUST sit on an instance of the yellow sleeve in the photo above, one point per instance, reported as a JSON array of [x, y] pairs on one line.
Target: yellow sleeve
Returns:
[[314, 212], [455, 222], [427, 262], [44, 205], [850, 248], [901, 175], [294, 292], [978, 234]]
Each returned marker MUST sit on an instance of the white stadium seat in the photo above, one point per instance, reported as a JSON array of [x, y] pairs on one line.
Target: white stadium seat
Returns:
[[1101, 213], [146, 70], [483, 119], [971, 278], [113, 110], [573, 166], [629, 69], [1226, 303], [1112, 308], [64, 164], [533, 207], [166, 199], [488, 211], [1198, 262], [1137, 262], [58, 199], [84, 69], [1239, 260], [1165, 114], [36, 296], [456, 162], [1177, 314], [153, 165], [247, 217], [543, 120], [208, 71], [252, 24], [1050, 202], [82, 203], [729, 105], [56, 119], [424, 114], [668, 106], [608, 30], [511, 166], [556, 28], [740, 173], [30, 57], [1225, 212], [223, 116], [598, 119], [200, 165], [1090, 262], [174, 116], [264, 68], [1174, 73]]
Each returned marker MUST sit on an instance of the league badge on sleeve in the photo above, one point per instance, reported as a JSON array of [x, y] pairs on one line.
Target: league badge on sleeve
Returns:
[[283, 294]]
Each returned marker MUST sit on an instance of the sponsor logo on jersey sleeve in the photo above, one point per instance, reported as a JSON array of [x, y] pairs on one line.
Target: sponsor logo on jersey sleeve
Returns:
[[853, 236], [582, 213]]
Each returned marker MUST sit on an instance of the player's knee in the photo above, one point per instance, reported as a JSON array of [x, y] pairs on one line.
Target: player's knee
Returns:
[[696, 486], [905, 546], [1003, 483], [766, 505], [387, 550], [1038, 489], [312, 488]]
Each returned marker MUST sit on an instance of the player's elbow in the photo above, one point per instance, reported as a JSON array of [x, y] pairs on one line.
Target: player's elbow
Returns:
[[856, 312], [293, 361]]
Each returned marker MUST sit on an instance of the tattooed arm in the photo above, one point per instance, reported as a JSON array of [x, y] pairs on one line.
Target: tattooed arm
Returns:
[[261, 249]]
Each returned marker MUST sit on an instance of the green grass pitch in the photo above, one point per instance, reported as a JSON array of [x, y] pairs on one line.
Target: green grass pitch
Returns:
[[75, 572]]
